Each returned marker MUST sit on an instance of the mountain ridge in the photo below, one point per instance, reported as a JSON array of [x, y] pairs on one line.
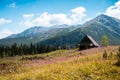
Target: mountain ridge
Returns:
[[71, 35], [94, 28]]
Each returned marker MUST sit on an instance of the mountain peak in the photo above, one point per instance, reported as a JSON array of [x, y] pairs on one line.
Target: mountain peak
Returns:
[[99, 19], [102, 16], [106, 20]]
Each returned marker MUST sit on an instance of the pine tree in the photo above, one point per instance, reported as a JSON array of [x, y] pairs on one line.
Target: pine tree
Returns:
[[3, 54]]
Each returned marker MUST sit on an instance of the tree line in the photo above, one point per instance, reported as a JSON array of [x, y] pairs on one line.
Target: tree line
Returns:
[[15, 50], [20, 50]]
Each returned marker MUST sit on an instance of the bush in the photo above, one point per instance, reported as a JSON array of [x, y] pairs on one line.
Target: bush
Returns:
[[105, 55], [105, 41], [118, 57]]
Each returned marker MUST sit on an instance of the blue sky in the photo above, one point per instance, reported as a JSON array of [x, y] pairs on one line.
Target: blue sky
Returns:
[[18, 15]]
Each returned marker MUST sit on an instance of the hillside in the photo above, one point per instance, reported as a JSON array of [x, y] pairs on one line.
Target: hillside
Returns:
[[96, 28], [37, 34], [103, 25], [69, 35], [62, 64]]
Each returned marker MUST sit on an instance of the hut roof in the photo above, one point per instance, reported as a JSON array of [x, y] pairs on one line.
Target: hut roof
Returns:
[[91, 40]]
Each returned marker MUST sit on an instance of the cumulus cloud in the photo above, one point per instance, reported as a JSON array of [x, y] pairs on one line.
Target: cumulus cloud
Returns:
[[99, 13], [12, 5], [43, 20], [88, 19], [28, 15], [5, 33], [77, 15], [3, 21], [46, 19], [114, 10]]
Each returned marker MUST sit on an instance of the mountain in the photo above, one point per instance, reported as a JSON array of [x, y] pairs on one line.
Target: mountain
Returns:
[[34, 31], [69, 35], [103, 25], [96, 28], [38, 31], [37, 34]]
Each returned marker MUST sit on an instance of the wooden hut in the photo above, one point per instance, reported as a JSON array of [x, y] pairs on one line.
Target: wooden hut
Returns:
[[87, 42]]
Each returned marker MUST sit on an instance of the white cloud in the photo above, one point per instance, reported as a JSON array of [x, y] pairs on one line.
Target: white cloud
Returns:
[[46, 19], [114, 10], [77, 15], [3, 21], [99, 13], [43, 20], [88, 19], [12, 5], [27, 23], [5, 33], [28, 15]]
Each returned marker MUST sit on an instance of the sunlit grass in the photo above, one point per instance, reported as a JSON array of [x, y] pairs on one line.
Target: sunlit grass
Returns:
[[82, 65]]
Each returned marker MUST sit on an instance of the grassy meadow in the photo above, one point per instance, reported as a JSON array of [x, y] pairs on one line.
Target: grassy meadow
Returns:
[[63, 65]]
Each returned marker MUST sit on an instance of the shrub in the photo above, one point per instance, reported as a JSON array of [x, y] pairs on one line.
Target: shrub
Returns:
[[110, 55], [105, 41], [118, 57], [105, 55]]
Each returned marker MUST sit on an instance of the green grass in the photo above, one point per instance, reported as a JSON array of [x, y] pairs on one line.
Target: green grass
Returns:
[[67, 65], [54, 54]]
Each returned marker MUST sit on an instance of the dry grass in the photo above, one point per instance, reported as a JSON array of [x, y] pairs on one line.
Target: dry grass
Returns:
[[68, 65]]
